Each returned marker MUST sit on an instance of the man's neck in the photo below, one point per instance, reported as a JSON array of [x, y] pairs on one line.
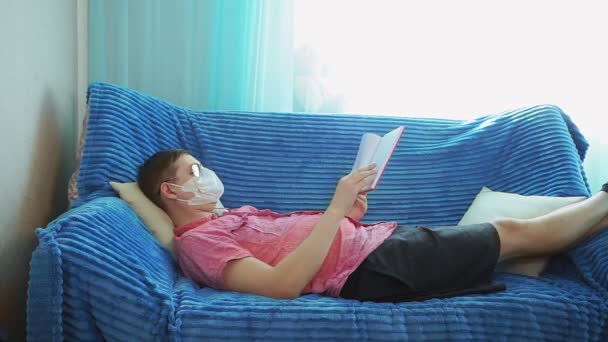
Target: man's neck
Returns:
[[181, 218]]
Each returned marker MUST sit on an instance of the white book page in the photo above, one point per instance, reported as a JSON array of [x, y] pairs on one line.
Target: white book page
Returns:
[[385, 150], [367, 149]]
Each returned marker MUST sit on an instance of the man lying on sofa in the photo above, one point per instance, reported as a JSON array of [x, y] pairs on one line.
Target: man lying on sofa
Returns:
[[287, 255]]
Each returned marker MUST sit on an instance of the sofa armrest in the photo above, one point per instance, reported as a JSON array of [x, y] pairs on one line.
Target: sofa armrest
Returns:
[[97, 265]]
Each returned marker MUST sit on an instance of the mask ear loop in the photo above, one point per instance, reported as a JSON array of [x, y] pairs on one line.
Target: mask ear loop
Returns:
[[179, 186]]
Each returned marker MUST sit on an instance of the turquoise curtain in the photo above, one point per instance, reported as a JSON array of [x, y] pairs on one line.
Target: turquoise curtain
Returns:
[[207, 54]]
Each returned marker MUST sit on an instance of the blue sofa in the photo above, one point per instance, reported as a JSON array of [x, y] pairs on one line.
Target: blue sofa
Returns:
[[99, 274]]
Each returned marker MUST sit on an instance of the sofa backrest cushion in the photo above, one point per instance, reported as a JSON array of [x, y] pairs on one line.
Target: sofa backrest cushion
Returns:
[[292, 161]]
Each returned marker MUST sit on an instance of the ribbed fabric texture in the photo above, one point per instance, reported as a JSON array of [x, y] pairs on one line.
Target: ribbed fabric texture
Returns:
[[99, 274]]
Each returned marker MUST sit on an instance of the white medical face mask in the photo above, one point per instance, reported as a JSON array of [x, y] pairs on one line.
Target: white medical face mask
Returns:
[[206, 188]]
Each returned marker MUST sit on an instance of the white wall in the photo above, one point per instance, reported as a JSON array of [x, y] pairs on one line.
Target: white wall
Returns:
[[37, 135]]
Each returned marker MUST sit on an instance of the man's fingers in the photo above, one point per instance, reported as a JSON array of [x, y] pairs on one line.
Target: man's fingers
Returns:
[[364, 182], [367, 175], [367, 167], [364, 172], [369, 179]]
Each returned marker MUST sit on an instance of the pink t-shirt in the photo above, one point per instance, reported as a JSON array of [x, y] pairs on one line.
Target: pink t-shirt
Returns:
[[205, 246]]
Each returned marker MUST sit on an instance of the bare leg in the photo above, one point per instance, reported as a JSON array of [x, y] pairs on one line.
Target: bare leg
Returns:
[[603, 224], [554, 232], [533, 266]]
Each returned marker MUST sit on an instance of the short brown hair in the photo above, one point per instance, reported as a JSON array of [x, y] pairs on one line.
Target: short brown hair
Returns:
[[158, 169]]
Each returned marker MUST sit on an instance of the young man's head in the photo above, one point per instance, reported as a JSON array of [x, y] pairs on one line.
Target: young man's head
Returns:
[[176, 182]]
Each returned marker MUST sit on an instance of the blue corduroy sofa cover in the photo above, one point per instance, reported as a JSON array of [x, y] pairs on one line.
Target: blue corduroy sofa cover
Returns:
[[99, 274]]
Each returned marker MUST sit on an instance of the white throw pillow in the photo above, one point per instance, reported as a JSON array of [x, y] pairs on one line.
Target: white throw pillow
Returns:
[[490, 205]]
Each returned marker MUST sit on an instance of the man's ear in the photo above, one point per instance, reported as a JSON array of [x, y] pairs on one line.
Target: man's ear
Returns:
[[167, 191]]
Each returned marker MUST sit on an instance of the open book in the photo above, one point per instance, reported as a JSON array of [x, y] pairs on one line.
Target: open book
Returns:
[[376, 149]]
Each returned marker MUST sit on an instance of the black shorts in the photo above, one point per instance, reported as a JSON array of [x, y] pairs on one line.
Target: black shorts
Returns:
[[424, 262]]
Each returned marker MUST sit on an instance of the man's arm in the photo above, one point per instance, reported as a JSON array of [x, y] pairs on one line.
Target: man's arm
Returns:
[[290, 275], [296, 270]]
